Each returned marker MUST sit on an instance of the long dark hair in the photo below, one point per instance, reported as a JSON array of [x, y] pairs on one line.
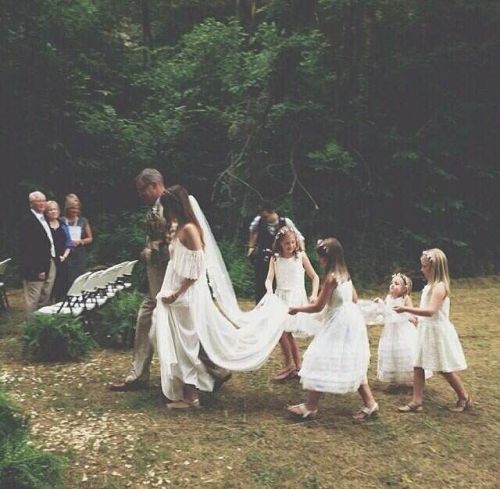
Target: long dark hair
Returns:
[[176, 206]]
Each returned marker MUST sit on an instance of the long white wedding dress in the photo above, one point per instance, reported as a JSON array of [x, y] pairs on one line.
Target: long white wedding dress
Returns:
[[194, 318]]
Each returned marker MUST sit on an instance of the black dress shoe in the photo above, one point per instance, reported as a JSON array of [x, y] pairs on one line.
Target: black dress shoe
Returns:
[[220, 380]]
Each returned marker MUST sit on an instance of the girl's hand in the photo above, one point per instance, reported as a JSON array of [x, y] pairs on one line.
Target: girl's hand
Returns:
[[414, 320], [399, 309], [168, 299], [292, 311], [312, 298], [378, 300], [77, 242]]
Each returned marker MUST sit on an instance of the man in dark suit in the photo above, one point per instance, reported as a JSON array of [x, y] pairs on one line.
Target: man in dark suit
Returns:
[[36, 253]]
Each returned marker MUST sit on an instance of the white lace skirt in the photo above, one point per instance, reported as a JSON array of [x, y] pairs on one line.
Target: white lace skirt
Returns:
[[438, 347], [300, 324], [397, 350], [337, 358]]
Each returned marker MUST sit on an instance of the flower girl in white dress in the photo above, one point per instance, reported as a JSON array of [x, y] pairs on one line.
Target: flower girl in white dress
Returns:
[[438, 346], [398, 341], [287, 266], [337, 358]]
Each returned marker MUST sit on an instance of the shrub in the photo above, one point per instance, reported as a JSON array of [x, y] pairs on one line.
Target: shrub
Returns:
[[116, 323], [54, 337], [239, 268], [21, 465]]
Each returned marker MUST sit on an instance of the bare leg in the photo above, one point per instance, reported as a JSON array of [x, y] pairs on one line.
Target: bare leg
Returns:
[[366, 395], [286, 349], [418, 385], [312, 400], [297, 359], [457, 385]]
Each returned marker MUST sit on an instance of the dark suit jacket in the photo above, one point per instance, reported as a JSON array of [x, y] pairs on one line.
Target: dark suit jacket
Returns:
[[34, 248]]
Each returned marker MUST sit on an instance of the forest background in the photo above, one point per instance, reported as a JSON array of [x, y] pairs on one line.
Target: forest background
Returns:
[[374, 121]]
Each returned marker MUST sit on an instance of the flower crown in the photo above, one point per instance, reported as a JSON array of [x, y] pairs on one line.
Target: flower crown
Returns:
[[284, 230], [427, 254], [320, 245], [406, 280]]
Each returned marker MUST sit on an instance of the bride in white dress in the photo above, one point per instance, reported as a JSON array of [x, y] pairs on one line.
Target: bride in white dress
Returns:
[[186, 315]]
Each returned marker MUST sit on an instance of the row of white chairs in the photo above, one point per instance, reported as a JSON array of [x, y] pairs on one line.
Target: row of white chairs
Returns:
[[92, 290]]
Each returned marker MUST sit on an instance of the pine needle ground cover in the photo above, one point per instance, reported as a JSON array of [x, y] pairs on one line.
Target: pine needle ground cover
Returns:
[[242, 438]]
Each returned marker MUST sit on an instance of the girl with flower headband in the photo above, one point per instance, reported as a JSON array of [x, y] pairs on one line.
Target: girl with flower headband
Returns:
[[398, 341], [287, 266], [337, 358], [438, 346]]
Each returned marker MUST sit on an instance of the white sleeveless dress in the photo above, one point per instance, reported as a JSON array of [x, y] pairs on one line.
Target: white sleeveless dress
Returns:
[[291, 290], [338, 357], [397, 345], [438, 346]]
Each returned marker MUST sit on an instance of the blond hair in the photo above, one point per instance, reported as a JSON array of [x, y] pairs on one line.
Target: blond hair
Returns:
[[332, 251], [439, 265], [52, 203], [281, 235], [72, 200]]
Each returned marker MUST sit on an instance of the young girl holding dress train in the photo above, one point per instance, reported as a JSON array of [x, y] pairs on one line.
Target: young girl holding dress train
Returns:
[[438, 346], [337, 358], [287, 266], [398, 341]]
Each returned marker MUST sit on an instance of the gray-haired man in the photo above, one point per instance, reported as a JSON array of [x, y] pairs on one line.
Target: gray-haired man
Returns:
[[36, 254], [150, 186]]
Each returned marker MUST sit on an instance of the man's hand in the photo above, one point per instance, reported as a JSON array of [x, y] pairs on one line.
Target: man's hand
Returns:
[[146, 254], [250, 251]]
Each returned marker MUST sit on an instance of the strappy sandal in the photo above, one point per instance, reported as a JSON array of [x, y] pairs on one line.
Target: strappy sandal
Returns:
[[365, 412], [411, 407], [194, 404], [462, 405], [301, 411], [285, 374]]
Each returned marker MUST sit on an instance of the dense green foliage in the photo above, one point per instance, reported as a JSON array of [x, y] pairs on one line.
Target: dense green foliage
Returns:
[[373, 121], [115, 326], [54, 337], [21, 465]]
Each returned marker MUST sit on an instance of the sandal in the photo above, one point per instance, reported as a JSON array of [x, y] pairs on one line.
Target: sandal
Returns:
[[411, 407], [194, 404], [286, 374], [462, 405], [366, 412], [301, 411]]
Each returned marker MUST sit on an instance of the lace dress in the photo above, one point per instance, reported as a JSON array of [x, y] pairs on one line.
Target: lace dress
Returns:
[[291, 290], [338, 357], [397, 345], [438, 346]]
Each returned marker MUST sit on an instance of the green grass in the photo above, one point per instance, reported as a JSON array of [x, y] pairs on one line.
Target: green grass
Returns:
[[243, 439]]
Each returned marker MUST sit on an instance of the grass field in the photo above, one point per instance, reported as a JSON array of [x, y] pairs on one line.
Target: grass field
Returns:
[[243, 438]]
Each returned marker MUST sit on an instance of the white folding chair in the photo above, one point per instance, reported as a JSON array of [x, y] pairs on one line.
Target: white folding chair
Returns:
[[74, 302], [92, 293], [127, 273], [4, 302]]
